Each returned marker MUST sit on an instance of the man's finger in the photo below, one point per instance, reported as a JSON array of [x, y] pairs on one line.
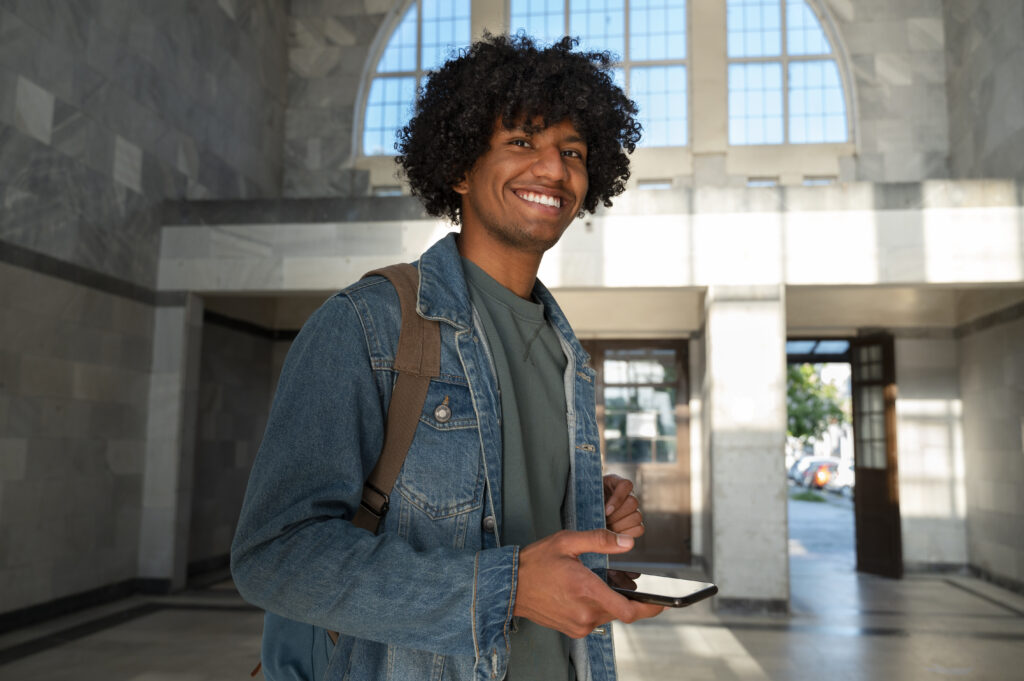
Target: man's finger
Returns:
[[626, 507], [620, 489], [594, 541]]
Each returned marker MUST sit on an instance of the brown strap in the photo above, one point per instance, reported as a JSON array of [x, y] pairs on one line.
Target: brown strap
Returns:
[[417, 360]]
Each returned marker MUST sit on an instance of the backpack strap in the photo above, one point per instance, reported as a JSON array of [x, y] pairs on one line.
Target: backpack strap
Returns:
[[417, 360]]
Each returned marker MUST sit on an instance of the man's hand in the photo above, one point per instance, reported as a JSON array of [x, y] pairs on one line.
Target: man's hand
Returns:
[[622, 509], [557, 591]]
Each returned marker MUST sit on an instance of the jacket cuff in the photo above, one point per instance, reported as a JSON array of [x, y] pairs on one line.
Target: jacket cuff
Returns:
[[494, 596]]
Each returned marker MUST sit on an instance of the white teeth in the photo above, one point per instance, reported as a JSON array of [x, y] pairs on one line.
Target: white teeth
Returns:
[[542, 199]]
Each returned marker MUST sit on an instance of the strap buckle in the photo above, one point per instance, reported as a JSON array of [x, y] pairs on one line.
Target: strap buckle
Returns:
[[385, 504]]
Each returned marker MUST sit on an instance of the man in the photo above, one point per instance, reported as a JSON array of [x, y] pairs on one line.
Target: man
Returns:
[[482, 568]]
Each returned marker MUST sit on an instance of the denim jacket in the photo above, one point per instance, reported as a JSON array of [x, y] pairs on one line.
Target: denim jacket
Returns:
[[431, 595]]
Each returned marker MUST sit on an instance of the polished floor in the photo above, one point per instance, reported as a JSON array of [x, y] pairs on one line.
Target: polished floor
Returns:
[[842, 627]]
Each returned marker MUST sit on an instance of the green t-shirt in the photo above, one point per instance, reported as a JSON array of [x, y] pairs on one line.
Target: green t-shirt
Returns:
[[530, 364]]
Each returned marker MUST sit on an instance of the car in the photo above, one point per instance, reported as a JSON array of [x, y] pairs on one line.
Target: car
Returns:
[[819, 473], [843, 482], [798, 471]]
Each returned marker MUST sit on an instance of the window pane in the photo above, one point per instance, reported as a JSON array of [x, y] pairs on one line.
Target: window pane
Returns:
[[754, 28], [834, 347], [660, 93], [803, 31], [755, 104], [657, 29], [400, 54], [665, 451], [799, 347], [544, 20], [387, 109], [445, 28], [639, 365], [817, 109], [599, 24]]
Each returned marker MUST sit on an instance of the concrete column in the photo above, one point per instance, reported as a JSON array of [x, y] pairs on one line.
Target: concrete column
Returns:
[[746, 403], [170, 449]]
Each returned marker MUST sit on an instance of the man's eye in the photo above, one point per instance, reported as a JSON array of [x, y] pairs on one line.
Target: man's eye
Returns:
[[572, 153], [520, 143]]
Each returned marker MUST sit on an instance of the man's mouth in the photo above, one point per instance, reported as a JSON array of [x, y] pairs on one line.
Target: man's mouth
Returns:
[[542, 199]]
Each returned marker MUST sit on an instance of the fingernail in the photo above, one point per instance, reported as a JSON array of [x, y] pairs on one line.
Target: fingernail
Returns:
[[624, 540], [609, 509]]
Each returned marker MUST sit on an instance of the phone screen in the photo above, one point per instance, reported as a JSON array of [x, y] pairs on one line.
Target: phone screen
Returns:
[[668, 591]]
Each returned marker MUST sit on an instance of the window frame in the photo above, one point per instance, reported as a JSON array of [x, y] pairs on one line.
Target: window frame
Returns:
[[627, 65], [784, 59], [707, 125]]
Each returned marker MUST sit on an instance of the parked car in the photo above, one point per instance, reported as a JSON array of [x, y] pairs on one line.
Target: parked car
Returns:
[[843, 481], [798, 471], [819, 473]]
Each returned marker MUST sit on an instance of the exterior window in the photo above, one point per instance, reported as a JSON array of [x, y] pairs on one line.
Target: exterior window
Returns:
[[428, 31], [648, 35], [784, 84]]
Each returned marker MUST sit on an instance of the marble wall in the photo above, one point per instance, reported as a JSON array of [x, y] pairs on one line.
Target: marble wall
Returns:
[[74, 378], [992, 387], [930, 452], [108, 107], [329, 43], [897, 58], [897, 62], [985, 59], [234, 398]]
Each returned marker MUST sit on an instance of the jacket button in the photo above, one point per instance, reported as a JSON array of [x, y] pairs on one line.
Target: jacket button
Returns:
[[489, 523], [442, 413]]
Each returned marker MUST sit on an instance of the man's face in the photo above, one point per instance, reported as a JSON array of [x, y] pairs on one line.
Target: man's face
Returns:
[[527, 187]]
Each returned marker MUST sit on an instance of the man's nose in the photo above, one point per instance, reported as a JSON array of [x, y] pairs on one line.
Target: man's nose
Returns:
[[549, 164]]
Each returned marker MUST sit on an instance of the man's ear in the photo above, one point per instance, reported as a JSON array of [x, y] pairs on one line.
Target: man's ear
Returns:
[[462, 186]]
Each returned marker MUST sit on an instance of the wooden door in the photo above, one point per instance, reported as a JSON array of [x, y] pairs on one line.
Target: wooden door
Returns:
[[643, 414], [876, 500]]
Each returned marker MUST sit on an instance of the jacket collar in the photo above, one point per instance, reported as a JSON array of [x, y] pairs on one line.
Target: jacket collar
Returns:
[[444, 295]]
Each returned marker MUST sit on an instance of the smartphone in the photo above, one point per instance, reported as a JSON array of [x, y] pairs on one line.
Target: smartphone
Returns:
[[670, 591]]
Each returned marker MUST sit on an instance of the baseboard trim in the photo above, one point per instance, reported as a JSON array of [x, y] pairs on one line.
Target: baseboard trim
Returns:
[[750, 606], [66, 605], [201, 567], [1004, 582]]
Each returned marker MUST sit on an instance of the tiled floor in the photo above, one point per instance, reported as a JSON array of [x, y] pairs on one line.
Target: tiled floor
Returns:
[[843, 627]]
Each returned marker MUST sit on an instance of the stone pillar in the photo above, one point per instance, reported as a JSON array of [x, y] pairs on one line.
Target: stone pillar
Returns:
[[746, 403], [170, 449]]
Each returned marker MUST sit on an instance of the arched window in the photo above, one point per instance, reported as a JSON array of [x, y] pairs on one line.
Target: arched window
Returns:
[[753, 73], [784, 83], [648, 35], [421, 41]]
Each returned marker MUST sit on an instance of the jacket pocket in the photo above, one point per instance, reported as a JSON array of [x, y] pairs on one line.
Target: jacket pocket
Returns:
[[441, 476]]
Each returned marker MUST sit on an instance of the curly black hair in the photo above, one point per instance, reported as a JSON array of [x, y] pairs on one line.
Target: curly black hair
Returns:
[[512, 78]]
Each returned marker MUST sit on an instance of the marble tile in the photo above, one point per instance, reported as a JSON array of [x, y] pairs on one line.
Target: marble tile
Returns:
[[8, 85], [13, 453], [78, 136], [229, 7], [127, 164], [875, 36], [25, 51], [33, 110], [926, 34]]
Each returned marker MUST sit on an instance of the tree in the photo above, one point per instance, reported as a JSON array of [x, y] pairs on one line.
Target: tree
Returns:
[[811, 404]]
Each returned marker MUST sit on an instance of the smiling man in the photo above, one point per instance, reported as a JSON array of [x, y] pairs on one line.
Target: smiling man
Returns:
[[484, 567]]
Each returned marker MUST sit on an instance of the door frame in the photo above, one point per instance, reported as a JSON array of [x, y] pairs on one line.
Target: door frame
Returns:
[[876, 503], [648, 548]]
